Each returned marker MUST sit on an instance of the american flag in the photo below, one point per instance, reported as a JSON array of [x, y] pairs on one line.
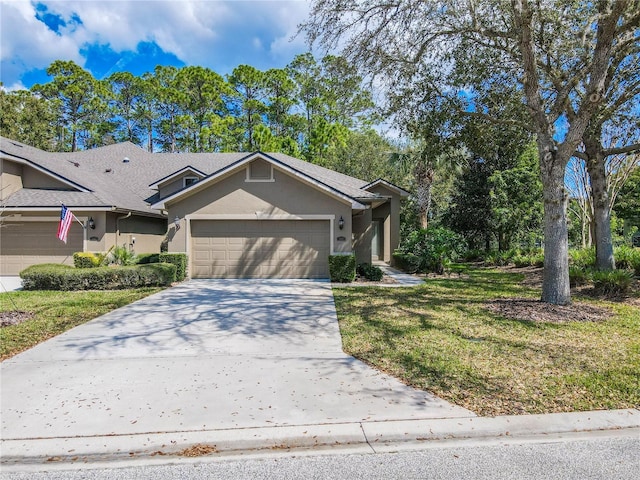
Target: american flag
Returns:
[[66, 218]]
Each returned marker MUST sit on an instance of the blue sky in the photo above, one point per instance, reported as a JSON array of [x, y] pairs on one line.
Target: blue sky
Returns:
[[136, 35]]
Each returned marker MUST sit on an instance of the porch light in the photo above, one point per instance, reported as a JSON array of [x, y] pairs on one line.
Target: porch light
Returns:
[[91, 223], [176, 222], [341, 223]]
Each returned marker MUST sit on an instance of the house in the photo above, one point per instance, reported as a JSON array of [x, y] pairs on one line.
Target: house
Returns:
[[234, 214]]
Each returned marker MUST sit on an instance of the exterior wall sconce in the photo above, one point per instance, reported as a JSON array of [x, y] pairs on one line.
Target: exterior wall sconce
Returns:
[[176, 222], [341, 223], [91, 223]]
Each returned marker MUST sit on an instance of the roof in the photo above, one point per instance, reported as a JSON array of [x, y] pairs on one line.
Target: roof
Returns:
[[100, 177]]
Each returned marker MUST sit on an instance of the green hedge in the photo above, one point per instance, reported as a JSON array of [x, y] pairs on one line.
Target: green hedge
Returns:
[[407, 262], [87, 259], [177, 259], [144, 258], [342, 268], [370, 272], [64, 277]]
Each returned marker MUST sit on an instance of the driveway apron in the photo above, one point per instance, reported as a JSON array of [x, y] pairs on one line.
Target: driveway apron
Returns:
[[205, 355]]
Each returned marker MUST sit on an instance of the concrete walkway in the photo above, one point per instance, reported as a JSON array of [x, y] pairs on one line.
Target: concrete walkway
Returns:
[[205, 357], [402, 279], [10, 283]]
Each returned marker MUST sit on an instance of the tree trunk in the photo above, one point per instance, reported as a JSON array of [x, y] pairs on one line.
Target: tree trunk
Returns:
[[555, 281], [601, 228], [424, 180]]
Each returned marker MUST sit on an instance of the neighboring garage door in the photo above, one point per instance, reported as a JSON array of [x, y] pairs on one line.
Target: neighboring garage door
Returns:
[[260, 248], [28, 243]]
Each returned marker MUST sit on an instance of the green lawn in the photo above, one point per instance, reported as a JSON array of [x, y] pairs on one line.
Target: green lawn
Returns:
[[56, 312], [440, 338]]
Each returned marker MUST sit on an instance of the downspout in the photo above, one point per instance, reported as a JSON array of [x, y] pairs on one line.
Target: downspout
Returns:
[[118, 225]]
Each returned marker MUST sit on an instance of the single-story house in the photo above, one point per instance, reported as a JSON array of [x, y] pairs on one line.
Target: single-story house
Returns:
[[234, 214]]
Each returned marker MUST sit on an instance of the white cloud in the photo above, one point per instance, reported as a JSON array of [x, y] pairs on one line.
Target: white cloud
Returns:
[[197, 32]]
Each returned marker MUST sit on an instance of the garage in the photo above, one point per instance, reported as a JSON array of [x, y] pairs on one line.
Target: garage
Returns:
[[260, 248], [28, 243]]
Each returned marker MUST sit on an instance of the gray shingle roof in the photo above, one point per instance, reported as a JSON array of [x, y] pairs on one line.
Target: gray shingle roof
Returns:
[[125, 184]]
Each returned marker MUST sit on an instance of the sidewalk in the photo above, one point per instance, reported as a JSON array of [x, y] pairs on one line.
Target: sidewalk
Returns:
[[362, 437], [402, 279]]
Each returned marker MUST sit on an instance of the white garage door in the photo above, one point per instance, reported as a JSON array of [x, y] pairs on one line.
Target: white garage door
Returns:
[[260, 249], [29, 243]]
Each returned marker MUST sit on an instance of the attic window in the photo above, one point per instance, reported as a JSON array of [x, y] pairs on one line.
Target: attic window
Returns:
[[259, 171], [188, 181]]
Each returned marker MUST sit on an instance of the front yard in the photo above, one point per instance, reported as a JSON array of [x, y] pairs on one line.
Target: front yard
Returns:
[[444, 337], [45, 314]]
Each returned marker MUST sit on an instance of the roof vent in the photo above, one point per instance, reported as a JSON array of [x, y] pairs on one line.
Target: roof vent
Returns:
[[125, 160], [108, 170]]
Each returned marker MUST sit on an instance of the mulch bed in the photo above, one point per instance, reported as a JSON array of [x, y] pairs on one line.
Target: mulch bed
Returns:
[[14, 317], [531, 310]]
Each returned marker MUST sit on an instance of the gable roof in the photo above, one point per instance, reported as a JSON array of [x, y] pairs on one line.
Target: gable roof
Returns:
[[173, 175], [394, 188], [327, 188], [111, 182]]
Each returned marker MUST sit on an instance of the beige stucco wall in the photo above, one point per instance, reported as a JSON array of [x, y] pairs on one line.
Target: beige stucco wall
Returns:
[[32, 178], [10, 178], [112, 229], [174, 185], [389, 213], [233, 195]]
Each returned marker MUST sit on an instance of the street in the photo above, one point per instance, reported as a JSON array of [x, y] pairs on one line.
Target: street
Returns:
[[597, 455]]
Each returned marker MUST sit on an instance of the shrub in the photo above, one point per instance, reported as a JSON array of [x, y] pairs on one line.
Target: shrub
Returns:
[[121, 256], [177, 259], [342, 268], [64, 277], [583, 257], [144, 258], [370, 272], [627, 258], [436, 247], [612, 282], [87, 259], [407, 262], [578, 276]]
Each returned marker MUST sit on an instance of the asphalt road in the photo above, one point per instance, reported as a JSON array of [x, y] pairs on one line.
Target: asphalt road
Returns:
[[604, 455]]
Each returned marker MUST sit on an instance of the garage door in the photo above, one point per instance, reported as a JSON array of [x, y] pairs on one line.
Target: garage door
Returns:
[[28, 243], [260, 249]]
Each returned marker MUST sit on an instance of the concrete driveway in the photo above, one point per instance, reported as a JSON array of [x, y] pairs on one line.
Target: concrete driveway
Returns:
[[205, 355]]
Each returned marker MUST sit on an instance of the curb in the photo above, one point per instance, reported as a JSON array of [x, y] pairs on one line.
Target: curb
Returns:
[[366, 437]]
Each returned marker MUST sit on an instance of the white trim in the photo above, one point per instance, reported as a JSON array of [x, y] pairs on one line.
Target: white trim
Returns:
[[57, 209], [248, 178], [49, 173], [184, 180], [259, 216], [173, 175]]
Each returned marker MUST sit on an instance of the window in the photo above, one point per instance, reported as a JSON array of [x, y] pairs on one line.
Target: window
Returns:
[[188, 181]]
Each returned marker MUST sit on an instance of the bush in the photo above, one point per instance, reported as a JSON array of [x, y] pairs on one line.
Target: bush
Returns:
[[144, 258], [342, 268], [578, 276], [436, 247], [531, 260], [64, 277], [612, 282], [87, 259], [121, 256], [407, 262], [583, 257], [177, 259], [628, 258], [370, 272]]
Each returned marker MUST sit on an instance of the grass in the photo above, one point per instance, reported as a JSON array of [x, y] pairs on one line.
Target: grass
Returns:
[[57, 312], [438, 337]]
